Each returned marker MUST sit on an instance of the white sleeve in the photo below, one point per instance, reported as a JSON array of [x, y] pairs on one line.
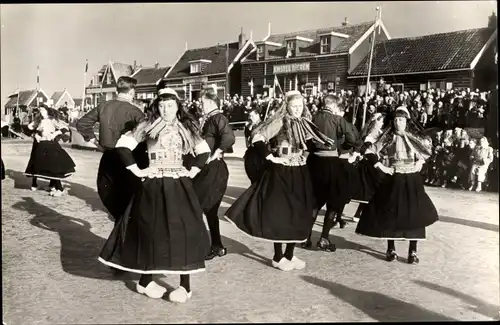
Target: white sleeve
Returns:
[[201, 147], [126, 141]]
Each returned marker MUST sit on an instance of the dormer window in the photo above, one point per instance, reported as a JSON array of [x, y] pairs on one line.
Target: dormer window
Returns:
[[325, 44], [260, 52], [290, 48], [196, 67], [108, 78]]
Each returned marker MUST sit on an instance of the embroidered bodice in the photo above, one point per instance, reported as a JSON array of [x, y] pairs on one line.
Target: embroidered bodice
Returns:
[[45, 129], [401, 156], [166, 151]]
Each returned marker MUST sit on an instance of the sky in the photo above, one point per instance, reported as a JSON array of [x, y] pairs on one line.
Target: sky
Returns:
[[60, 37]]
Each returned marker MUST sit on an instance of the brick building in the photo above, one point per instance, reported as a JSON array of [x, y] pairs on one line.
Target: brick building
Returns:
[[309, 61], [198, 68]]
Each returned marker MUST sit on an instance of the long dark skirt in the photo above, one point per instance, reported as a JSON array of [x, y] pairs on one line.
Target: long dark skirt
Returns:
[[211, 183], [400, 209], [3, 170], [370, 178], [278, 207], [254, 164], [162, 231], [50, 161], [334, 180], [115, 184]]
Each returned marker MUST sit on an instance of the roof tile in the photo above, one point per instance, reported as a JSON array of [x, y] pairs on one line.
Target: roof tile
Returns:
[[437, 52], [218, 65], [147, 76]]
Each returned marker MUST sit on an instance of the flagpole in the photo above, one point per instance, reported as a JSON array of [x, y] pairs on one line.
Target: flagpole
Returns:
[[37, 84], [365, 106], [227, 68], [84, 83]]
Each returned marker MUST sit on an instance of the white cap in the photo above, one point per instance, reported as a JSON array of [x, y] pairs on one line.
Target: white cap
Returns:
[[403, 109], [292, 93], [168, 91]]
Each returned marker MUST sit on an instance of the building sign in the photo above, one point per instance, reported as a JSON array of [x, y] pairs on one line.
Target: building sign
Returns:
[[195, 80], [291, 68], [99, 90]]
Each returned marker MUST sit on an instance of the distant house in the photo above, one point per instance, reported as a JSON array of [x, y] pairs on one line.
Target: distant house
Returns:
[[460, 59], [147, 79], [103, 84], [201, 67], [62, 98], [26, 100]]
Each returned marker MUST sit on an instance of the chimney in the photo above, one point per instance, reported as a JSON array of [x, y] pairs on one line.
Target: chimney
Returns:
[[492, 21], [157, 65], [135, 65], [345, 22], [217, 49], [241, 39]]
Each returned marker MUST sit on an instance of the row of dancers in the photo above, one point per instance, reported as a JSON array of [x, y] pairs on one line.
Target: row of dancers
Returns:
[[159, 174]]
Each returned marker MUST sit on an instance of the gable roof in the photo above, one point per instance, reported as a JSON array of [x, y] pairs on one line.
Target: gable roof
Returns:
[[431, 53], [149, 76], [218, 66], [25, 97], [355, 32], [118, 70], [58, 95]]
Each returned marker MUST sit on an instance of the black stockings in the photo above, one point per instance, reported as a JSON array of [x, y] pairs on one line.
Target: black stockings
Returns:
[[55, 183], [213, 224], [412, 247], [278, 251]]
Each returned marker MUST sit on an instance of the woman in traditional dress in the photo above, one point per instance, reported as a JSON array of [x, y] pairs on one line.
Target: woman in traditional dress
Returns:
[[254, 163], [48, 159], [400, 208], [162, 230], [278, 207], [370, 177]]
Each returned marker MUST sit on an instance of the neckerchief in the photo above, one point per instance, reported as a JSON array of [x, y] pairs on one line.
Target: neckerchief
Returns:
[[210, 114]]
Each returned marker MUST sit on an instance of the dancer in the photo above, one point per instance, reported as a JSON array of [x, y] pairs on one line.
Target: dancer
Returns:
[[211, 183], [278, 207], [400, 208], [332, 174], [48, 160], [370, 176], [112, 116], [254, 163], [162, 231]]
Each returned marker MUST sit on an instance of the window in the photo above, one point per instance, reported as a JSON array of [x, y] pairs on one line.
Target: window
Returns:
[[290, 47], [260, 52], [195, 67], [399, 87], [108, 78], [449, 85], [437, 84], [325, 44], [423, 87]]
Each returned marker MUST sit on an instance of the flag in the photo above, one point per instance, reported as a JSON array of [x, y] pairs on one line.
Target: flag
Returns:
[[86, 65]]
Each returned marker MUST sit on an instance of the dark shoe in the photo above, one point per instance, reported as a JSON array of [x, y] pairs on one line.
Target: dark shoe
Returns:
[[391, 255], [342, 224], [307, 244], [326, 245], [216, 251], [413, 258]]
